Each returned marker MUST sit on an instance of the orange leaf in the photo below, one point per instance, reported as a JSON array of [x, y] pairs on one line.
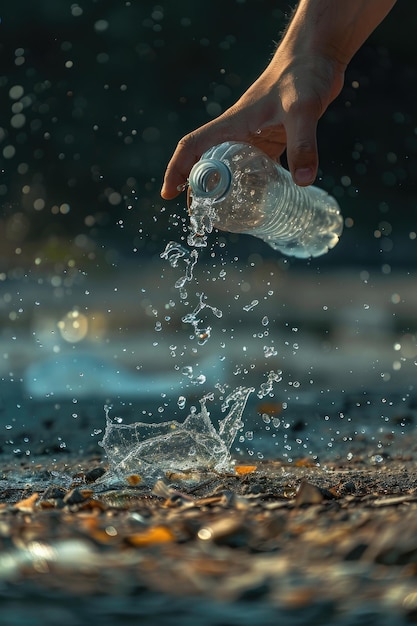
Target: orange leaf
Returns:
[[304, 463], [133, 479], [27, 504], [245, 469], [157, 534]]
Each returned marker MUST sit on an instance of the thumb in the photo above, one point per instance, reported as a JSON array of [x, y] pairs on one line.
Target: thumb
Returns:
[[188, 151], [302, 154]]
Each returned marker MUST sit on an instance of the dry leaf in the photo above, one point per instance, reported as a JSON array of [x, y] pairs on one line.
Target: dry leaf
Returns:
[[157, 534], [241, 470], [28, 503], [133, 479]]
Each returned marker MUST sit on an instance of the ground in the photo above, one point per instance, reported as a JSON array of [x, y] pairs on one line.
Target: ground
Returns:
[[323, 544]]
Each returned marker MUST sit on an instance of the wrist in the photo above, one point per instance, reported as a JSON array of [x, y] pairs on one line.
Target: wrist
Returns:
[[335, 29], [309, 37]]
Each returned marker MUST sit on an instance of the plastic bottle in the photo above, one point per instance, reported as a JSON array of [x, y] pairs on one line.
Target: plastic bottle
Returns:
[[237, 188]]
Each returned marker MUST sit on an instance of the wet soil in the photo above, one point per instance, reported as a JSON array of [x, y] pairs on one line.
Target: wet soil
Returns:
[[328, 544]]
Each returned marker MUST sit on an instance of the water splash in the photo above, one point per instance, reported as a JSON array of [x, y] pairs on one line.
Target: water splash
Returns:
[[152, 450], [267, 388], [202, 332], [229, 426], [202, 218], [175, 254]]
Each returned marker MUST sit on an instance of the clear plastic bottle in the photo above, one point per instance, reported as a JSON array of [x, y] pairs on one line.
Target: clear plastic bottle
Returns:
[[237, 188]]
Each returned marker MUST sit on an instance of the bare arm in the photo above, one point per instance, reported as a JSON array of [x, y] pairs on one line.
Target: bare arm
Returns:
[[334, 28], [281, 109]]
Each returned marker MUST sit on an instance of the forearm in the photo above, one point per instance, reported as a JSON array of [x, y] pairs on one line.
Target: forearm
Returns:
[[333, 28]]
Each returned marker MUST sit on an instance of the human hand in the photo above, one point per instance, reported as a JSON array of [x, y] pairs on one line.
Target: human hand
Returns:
[[279, 111]]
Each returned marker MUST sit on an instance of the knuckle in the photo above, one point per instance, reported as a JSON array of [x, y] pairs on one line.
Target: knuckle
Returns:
[[304, 146], [187, 141]]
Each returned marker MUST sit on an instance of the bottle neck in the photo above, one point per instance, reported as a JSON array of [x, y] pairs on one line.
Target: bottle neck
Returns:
[[209, 178]]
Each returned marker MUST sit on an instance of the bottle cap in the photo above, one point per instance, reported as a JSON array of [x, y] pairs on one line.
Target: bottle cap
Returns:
[[209, 178]]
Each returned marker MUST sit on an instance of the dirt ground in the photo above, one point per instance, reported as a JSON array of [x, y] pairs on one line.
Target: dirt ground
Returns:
[[318, 545]]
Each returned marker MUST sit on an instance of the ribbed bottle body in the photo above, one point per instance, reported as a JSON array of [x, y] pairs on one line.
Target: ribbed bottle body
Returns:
[[260, 198]]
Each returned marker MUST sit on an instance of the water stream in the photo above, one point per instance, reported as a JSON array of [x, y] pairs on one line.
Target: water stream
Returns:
[[152, 449]]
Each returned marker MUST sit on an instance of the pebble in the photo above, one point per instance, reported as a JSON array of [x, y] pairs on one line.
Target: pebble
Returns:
[[308, 494]]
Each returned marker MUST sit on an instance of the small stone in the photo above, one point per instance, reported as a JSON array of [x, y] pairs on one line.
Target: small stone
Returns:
[[76, 496], [348, 487], [227, 531], [54, 492], [94, 474], [308, 494]]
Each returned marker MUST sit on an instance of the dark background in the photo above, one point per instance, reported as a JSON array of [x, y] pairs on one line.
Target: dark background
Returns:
[[108, 88]]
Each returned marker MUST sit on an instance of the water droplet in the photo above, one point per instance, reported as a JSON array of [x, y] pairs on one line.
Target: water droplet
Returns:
[[269, 351], [187, 371], [252, 305], [266, 388], [199, 380]]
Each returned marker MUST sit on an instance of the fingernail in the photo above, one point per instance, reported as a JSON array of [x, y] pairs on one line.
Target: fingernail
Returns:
[[304, 176]]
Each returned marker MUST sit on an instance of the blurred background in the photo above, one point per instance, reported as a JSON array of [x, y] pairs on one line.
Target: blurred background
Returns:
[[94, 96]]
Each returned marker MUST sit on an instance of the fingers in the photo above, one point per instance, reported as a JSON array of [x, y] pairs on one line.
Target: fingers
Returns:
[[179, 167], [299, 136], [302, 154], [190, 148]]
